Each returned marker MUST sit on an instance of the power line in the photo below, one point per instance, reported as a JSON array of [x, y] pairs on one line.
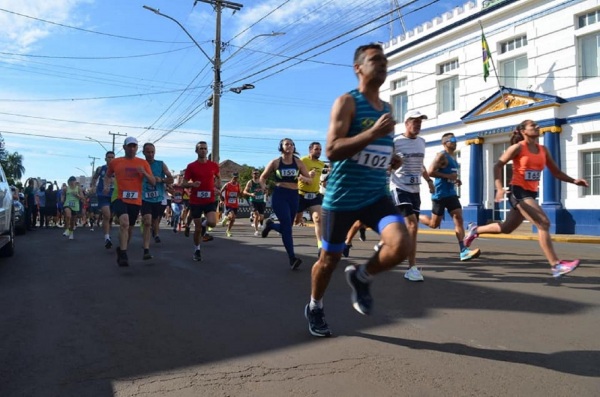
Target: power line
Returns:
[[97, 58]]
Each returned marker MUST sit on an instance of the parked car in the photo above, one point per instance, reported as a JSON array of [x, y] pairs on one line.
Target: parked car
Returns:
[[19, 208], [7, 218]]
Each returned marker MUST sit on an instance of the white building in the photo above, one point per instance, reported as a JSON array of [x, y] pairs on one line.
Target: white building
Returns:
[[547, 57]]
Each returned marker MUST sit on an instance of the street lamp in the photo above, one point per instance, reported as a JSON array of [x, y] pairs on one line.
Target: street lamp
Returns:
[[100, 143], [84, 173], [216, 62]]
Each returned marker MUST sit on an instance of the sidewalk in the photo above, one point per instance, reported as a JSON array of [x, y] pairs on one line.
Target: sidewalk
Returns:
[[517, 235]]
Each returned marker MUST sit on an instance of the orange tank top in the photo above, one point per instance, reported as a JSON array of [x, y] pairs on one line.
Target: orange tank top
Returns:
[[528, 167]]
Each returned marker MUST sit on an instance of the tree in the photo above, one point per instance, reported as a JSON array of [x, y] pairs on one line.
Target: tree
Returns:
[[13, 166]]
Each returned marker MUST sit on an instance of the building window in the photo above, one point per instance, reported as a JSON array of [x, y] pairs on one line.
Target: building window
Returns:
[[397, 84], [591, 172], [589, 55], [448, 66], [400, 106], [589, 138], [448, 95], [514, 72], [513, 44], [588, 19]]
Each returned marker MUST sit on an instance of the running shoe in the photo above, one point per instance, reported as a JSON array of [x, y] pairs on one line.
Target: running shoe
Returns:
[[71, 236], [267, 229], [362, 234], [197, 256], [67, 233], [207, 237], [413, 274], [156, 239], [224, 221], [316, 322], [346, 251], [107, 243], [91, 229], [564, 267], [361, 296], [257, 233], [467, 254], [471, 234], [295, 263], [122, 259], [174, 230], [186, 233], [228, 233], [147, 255]]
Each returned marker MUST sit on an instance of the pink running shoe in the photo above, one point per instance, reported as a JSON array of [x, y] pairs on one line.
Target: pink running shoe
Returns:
[[564, 267], [471, 234]]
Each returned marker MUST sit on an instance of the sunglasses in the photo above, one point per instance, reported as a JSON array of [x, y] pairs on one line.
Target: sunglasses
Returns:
[[452, 140]]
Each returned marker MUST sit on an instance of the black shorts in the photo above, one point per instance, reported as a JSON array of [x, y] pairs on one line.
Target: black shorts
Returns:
[[156, 209], [304, 203], [94, 209], [198, 209], [518, 194], [119, 208], [259, 207], [407, 203], [450, 203], [335, 224]]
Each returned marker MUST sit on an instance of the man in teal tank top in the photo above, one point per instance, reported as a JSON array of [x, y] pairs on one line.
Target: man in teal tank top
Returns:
[[360, 148], [444, 169]]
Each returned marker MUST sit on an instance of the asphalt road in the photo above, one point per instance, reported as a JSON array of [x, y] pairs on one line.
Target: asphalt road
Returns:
[[72, 323]]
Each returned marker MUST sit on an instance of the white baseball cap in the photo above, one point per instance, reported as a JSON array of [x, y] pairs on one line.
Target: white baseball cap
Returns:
[[414, 114], [130, 140]]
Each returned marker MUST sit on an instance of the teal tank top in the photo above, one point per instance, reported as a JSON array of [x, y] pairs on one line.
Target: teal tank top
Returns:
[[156, 193], [259, 195], [444, 187], [360, 181]]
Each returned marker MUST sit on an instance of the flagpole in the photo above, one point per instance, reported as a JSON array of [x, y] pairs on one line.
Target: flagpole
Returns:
[[493, 63]]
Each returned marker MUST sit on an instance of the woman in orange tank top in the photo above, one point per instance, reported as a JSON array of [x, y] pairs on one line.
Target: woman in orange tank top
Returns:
[[529, 160]]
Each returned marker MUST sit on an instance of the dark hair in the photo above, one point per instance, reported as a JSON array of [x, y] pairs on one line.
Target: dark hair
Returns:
[[313, 144], [280, 147], [359, 52], [517, 135], [109, 152], [447, 134], [147, 144], [202, 142]]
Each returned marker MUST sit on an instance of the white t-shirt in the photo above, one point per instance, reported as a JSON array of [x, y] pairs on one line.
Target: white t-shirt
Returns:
[[408, 176]]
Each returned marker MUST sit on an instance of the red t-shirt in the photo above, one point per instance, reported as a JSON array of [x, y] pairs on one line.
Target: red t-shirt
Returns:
[[204, 173], [231, 193]]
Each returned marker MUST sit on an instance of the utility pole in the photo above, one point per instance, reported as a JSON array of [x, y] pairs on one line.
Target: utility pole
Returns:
[[113, 137], [93, 164], [218, 5]]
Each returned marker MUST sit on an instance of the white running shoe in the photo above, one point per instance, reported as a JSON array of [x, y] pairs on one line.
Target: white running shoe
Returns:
[[413, 274], [71, 237]]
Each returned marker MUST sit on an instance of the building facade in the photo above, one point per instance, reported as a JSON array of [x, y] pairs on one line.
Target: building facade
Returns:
[[545, 67]]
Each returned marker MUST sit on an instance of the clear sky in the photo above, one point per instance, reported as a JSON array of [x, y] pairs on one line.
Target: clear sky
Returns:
[[73, 69]]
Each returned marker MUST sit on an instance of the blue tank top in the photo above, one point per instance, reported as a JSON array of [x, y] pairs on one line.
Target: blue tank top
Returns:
[[100, 186], [156, 193], [444, 187], [360, 181], [287, 172]]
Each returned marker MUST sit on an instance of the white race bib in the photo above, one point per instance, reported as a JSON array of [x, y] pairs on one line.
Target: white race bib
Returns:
[[411, 179], [533, 175], [232, 200], [288, 172], [374, 156], [259, 196], [310, 196], [150, 195], [203, 194], [130, 195]]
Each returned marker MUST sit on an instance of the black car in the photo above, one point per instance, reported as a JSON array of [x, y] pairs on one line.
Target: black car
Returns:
[[19, 210]]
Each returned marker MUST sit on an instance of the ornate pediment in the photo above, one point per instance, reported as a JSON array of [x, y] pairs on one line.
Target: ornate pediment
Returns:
[[510, 100]]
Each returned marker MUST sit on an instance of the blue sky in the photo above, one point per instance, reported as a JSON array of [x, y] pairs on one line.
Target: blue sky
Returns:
[[73, 69]]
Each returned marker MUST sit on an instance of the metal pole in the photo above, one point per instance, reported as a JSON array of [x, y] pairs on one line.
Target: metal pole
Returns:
[[217, 86], [113, 137], [94, 163]]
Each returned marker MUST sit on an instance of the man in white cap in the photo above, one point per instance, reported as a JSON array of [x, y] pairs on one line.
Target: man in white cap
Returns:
[[129, 172], [405, 183]]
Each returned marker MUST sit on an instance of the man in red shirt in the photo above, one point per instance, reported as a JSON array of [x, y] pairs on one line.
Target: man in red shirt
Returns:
[[129, 172], [231, 192], [203, 177]]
